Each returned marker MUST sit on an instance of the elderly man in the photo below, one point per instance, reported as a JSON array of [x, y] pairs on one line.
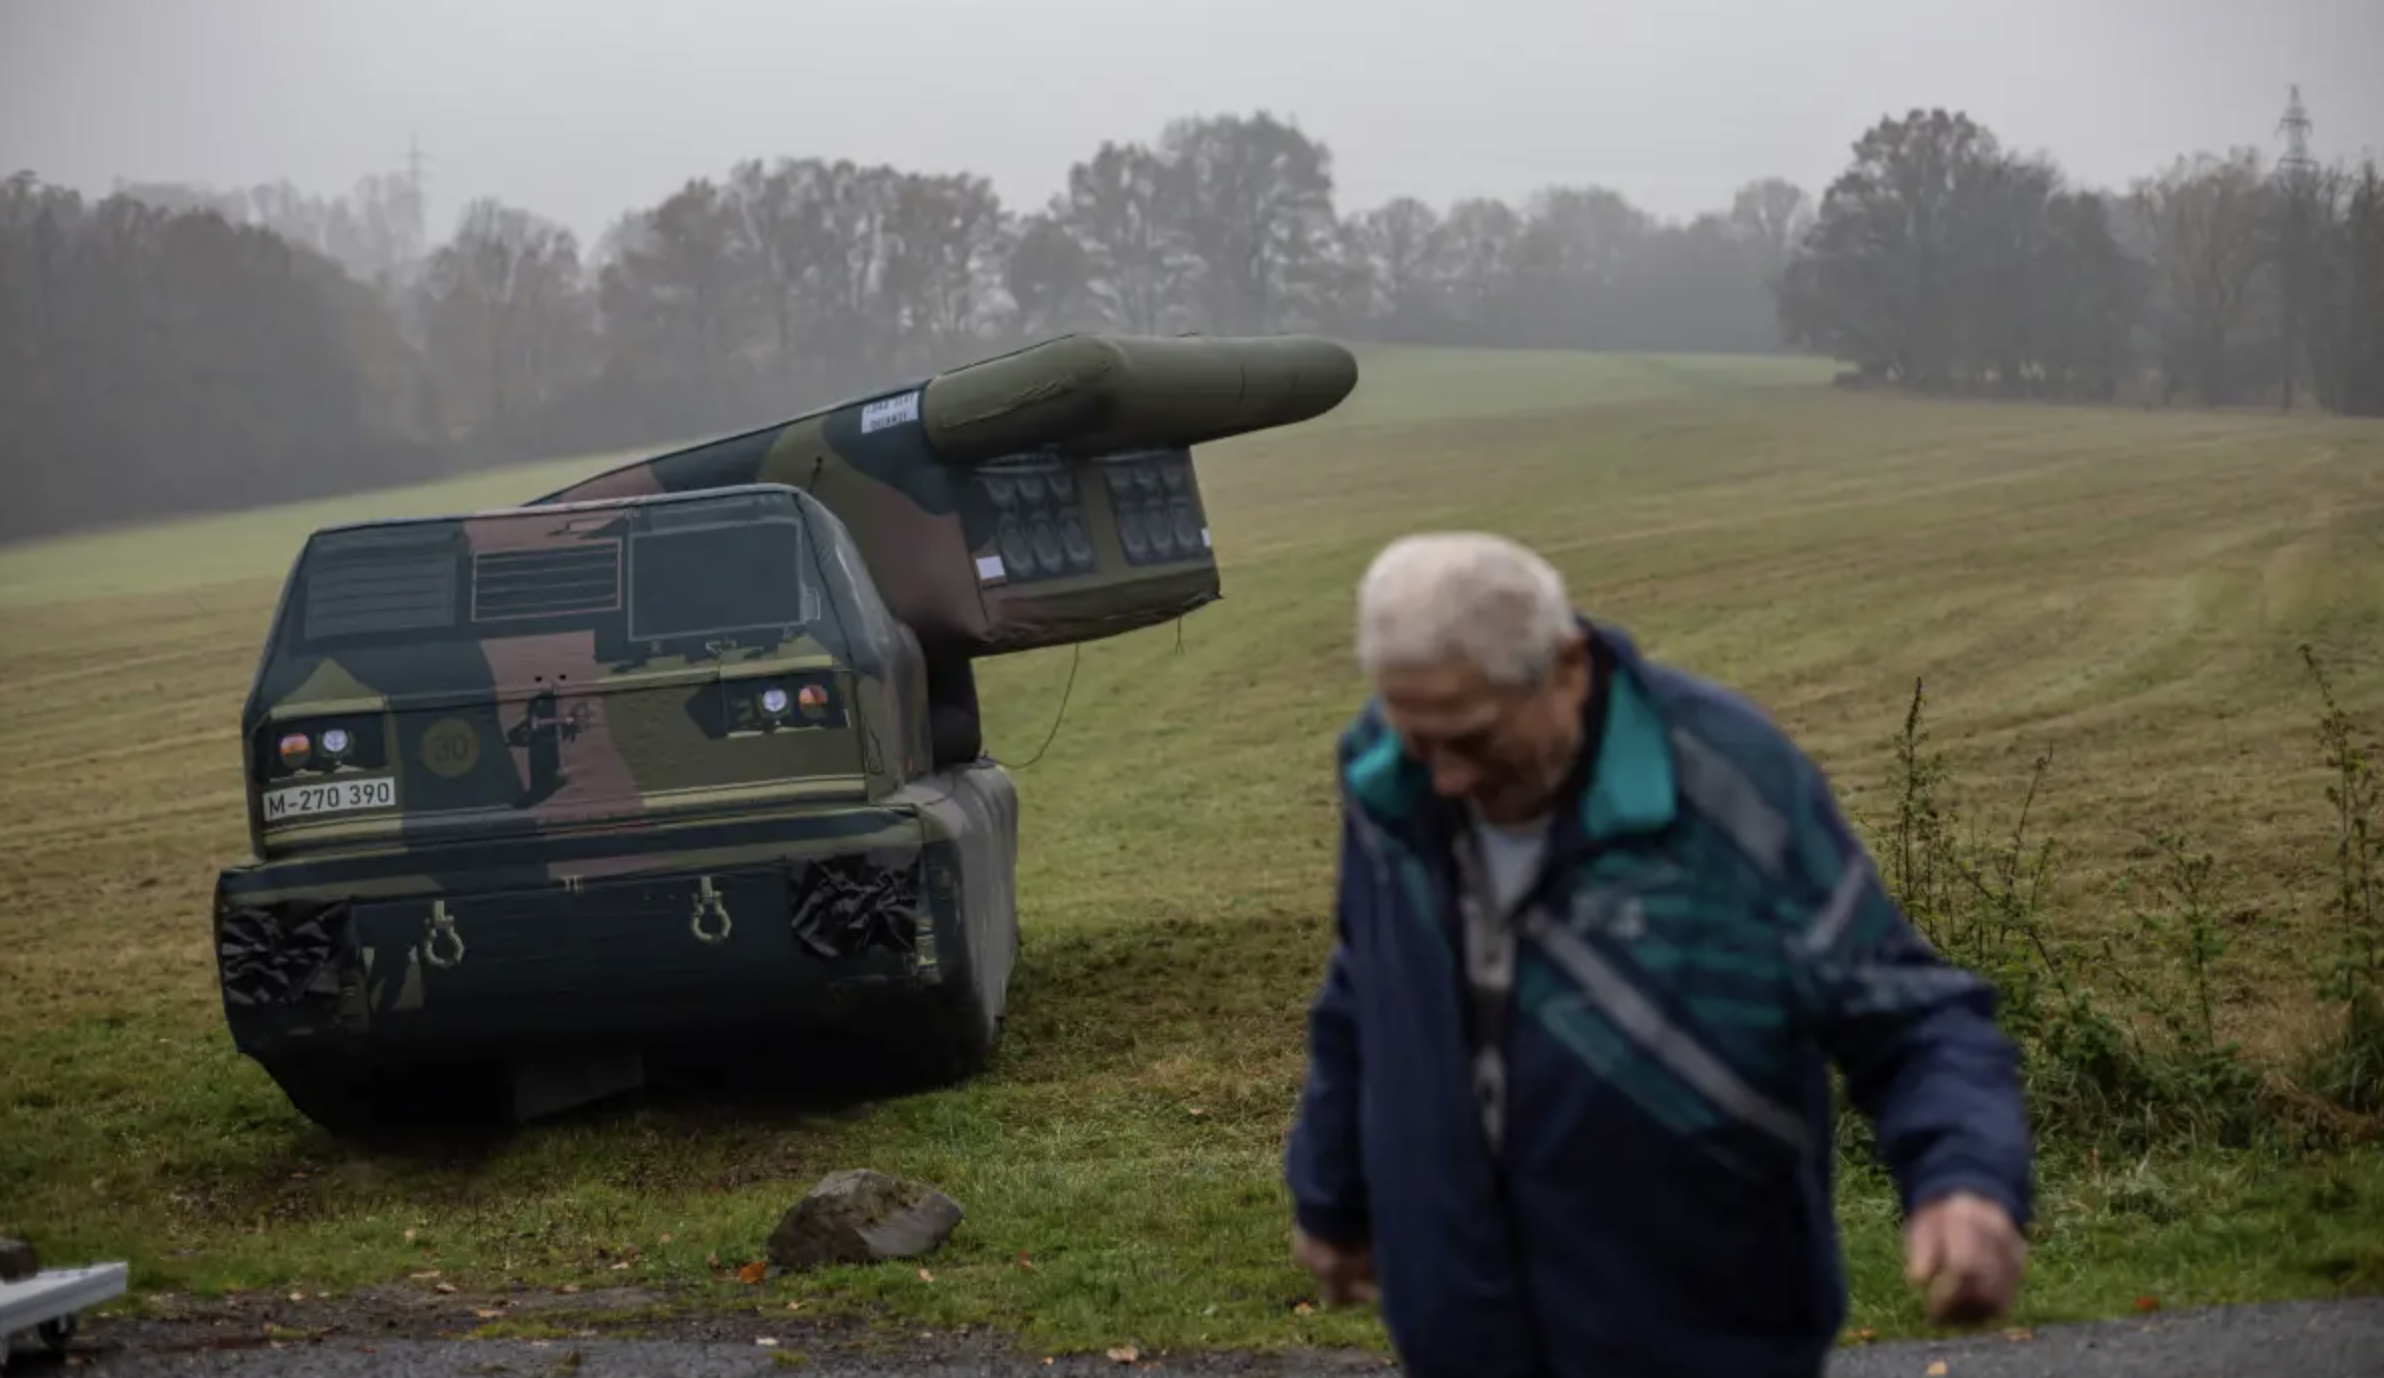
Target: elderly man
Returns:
[[1601, 928]]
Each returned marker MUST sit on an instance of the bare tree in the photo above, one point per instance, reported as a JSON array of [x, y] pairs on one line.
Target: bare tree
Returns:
[[2210, 264], [1773, 214], [944, 276], [1258, 215], [509, 320], [1407, 254], [1127, 206]]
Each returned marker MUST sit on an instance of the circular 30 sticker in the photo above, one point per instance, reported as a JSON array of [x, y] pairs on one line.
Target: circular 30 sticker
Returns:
[[450, 748]]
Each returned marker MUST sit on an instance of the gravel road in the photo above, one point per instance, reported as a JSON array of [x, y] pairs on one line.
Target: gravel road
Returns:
[[2340, 1339]]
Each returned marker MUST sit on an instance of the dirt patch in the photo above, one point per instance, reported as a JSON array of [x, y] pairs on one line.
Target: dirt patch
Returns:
[[168, 1324], [169, 1321]]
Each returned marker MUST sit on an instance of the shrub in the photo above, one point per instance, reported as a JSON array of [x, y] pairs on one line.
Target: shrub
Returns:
[[2119, 1032]]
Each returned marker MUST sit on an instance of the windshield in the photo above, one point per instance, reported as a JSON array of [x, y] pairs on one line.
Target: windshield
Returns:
[[691, 579]]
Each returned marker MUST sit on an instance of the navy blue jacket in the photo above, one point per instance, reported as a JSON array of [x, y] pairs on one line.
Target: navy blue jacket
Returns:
[[1662, 1203]]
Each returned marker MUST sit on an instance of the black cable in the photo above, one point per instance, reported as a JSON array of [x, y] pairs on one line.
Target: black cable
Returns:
[[1075, 658]]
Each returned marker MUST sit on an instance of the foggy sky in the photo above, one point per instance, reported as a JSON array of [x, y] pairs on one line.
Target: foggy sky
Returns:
[[580, 109]]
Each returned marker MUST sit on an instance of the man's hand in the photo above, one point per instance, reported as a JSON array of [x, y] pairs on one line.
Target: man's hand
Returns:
[[1969, 1255], [1344, 1275]]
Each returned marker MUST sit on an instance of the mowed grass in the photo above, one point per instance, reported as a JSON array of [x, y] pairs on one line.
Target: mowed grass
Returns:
[[2125, 590]]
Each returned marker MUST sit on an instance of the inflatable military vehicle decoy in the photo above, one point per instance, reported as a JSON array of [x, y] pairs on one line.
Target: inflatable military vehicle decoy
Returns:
[[687, 754]]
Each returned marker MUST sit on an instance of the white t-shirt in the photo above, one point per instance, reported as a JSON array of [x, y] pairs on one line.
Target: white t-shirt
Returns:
[[1511, 852]]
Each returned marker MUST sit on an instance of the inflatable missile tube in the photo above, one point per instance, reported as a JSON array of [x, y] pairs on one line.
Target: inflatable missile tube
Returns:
[[1040, 498]]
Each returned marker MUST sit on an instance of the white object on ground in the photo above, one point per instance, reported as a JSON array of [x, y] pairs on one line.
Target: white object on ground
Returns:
[[46, 1302]]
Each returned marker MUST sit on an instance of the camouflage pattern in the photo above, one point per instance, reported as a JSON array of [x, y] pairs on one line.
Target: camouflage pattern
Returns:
[[519, 779], [1040, 498], [687, 753]]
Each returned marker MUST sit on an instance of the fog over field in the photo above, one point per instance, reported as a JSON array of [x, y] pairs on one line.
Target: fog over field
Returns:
[[496, 233]]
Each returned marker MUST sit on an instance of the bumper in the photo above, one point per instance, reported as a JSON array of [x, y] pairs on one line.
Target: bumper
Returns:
[[665, 935]]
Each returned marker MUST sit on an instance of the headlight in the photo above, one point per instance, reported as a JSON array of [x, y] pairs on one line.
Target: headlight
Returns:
[[794, 702], [321, 746]]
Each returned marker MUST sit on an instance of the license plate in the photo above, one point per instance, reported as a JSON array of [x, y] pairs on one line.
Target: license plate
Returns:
[[330, 796]]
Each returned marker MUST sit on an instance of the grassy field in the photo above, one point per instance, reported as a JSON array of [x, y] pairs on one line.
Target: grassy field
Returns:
[[1401, 386], [2126, 591]]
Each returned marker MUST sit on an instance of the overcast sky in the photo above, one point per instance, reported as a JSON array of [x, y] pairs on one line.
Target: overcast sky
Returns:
[[579, 109]]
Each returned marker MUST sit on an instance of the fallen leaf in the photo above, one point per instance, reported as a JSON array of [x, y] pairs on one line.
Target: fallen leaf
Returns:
[[568, 1288], [623, 1266], [1937, 1370], [424, 1276], [711, 1260], [410, 1236], [1025, 1264], [925, 1276], [1866, 1334], [1303, 1309], [2018, 1335], [1125, 1354], [1196, 1110], [664, 1240], [486, 1313], [447, 1287], [297, 1296], [2148, 1303], [765, 1342], [753, 1272], [794, 1306]]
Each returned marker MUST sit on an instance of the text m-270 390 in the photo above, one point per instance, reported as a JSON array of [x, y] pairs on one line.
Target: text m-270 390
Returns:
[[330, 796]]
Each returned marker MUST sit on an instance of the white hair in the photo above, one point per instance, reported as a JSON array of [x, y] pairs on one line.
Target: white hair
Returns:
[[1440, 596]]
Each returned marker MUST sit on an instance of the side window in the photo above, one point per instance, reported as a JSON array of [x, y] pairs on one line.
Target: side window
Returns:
[[879, 633]]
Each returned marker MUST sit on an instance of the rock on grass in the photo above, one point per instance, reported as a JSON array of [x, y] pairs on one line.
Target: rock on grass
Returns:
[[861, 1216]]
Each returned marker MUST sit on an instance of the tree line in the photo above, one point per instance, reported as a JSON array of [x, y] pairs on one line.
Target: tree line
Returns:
[[1942, 262], [171, 348]]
